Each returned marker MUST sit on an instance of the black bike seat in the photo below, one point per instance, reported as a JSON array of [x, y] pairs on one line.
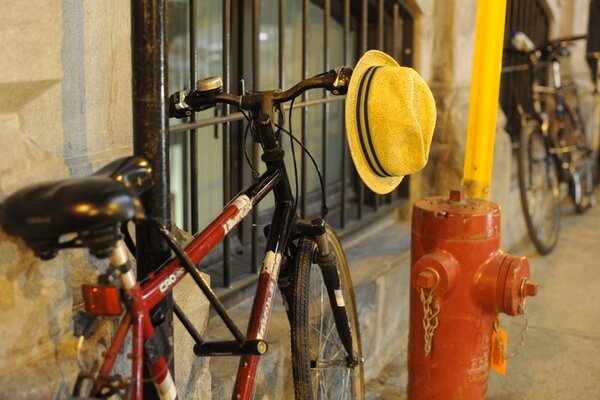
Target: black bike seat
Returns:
[[133, 172], [51, 209], [45, 211]]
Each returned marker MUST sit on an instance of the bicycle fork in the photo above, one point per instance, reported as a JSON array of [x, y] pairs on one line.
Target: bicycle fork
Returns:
[[326, 260]]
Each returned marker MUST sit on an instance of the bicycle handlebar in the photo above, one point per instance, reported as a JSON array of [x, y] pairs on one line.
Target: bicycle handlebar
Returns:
[[566, 39], [559, 45], [182, 104], [548, 50]]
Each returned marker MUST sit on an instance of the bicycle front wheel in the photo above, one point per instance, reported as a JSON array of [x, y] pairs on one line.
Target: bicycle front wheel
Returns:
[[322, 368], [538, 185]]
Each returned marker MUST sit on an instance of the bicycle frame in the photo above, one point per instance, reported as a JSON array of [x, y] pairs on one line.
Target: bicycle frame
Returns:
[[553, 145], [118, 186], [142, 297]]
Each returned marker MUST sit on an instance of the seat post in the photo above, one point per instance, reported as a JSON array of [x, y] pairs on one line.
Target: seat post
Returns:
[[119, 260]]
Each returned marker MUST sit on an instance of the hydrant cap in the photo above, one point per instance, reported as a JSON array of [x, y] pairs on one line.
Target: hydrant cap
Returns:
[[517, 285], [436, 270]]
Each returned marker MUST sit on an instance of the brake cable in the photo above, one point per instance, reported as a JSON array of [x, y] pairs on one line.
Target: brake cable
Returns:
[[324, 209]]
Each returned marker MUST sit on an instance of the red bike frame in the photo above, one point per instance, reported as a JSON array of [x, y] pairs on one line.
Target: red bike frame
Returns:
[[143, 297]]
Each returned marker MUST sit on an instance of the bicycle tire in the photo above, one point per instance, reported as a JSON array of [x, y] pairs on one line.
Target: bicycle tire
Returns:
[[538, 187], [319, 360], [581, 180], [581, 186]]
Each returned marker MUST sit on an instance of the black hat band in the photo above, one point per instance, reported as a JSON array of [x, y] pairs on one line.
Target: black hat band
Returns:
[[362, 122]]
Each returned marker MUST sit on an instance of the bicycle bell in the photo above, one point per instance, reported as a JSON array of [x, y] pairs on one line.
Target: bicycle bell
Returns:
[[209, 84]]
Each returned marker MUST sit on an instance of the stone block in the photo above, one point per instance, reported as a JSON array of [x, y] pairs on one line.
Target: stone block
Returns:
[[381, 282], [23, 161], [35, 305], [31, 40], [192, 376]]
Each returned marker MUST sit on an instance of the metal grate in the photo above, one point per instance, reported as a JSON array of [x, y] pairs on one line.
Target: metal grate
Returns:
[[274, 44], [527, 16]]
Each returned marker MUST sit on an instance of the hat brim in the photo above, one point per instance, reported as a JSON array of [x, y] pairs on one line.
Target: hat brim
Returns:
[[378, 184]]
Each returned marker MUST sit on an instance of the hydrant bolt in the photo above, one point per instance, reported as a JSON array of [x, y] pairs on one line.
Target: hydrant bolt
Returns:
[[426, 279], [457, 196], [529, 288]]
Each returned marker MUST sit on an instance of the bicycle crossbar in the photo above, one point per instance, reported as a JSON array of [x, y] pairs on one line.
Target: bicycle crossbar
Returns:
[[189, 267], [144, 296], [168, 276], [514, 68]]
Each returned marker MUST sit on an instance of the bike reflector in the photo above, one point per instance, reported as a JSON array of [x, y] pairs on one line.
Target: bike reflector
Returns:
[[101, 299]]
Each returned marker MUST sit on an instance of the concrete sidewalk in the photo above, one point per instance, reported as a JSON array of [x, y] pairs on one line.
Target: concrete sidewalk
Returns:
[[561, 355]]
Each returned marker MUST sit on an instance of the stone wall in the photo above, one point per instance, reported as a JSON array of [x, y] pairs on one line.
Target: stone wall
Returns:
[[65, 109]]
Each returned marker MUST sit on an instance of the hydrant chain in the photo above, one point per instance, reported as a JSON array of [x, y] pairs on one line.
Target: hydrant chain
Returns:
[[524, 331], [430, 317]]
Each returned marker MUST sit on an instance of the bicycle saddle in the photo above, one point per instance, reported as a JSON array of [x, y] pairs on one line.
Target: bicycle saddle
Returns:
[[133, 172], [92, 207]]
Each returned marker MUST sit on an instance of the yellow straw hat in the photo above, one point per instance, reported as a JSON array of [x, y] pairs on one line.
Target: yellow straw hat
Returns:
[[390, 116]]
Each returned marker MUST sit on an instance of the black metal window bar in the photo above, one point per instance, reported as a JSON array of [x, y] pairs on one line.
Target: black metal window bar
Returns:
[[530, 17], [273, 43]]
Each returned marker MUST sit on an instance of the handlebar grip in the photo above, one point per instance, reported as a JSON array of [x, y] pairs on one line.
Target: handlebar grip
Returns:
[[522, 42], [572, 38]]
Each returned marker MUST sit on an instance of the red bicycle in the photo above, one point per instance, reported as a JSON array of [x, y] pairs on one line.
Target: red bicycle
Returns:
[[304, 258]]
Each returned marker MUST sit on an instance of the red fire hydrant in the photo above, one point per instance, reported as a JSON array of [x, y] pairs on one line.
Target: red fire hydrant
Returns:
[[460, 282]]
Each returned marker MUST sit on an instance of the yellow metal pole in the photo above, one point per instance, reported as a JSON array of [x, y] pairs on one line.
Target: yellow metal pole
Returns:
[[485, 87]]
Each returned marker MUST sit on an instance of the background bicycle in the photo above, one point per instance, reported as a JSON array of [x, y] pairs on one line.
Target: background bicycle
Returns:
[[553, 147]]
